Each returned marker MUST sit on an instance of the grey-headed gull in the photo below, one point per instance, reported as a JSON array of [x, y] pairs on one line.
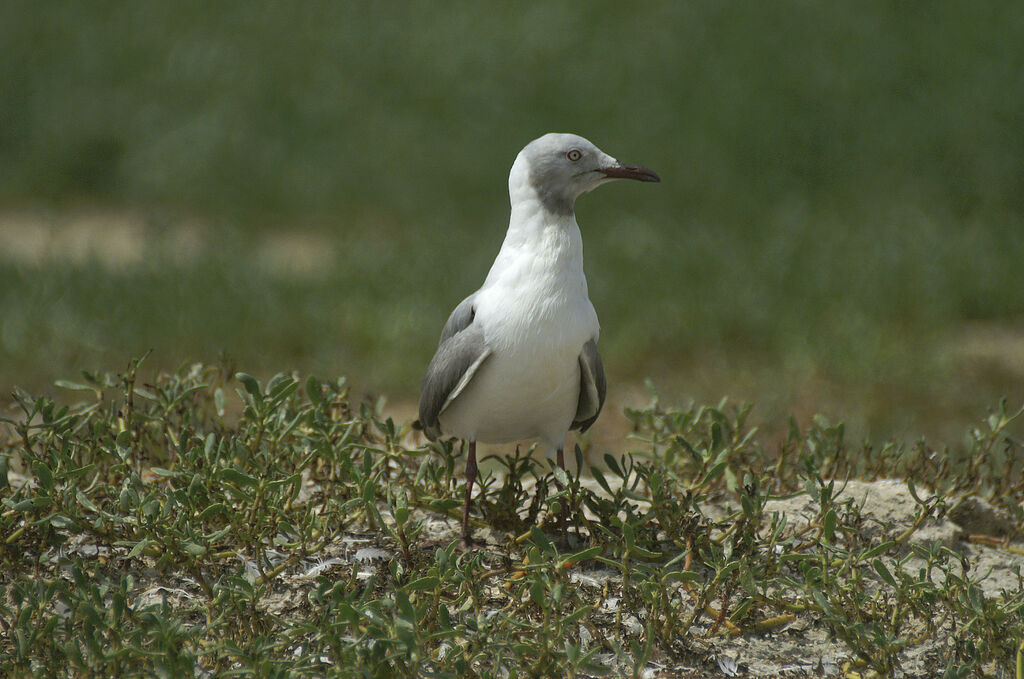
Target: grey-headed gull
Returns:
[[518, 358]]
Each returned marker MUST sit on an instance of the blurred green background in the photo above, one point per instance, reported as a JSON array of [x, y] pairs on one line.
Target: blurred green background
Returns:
[[313, 186]]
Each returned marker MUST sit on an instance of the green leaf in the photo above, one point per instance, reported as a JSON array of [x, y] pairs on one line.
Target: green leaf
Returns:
[[139, 547], [599, 477], [638, 552], [876, 550], [589, 553], [747, 582], [741, 610], [714, 472], [217, 534], [37, 502], [150, 506], [424, 583], [717, 437], [314, 390], [193, 548], [537, 593], [748, 506], [576, 615], [883, 572], [541, 540], [144, 393], [44, 475], [237, 477], [442, 505], [444, 617], [76, 386], [725, 570], [251, 384], [687, 576], [59, 521], [219, 401], [829, 527], [822, 602], [404, 606], [295, 478], [212, 510], [633, 495], [281, 385]]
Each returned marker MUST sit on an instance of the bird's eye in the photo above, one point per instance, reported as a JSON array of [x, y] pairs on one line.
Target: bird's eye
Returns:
[[574, 155]]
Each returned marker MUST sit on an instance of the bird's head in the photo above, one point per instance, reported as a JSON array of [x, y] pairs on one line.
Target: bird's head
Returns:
[[558, 168]]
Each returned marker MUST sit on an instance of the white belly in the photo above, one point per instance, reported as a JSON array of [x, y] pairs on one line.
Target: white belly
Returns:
[[516, 397], [529, 386]]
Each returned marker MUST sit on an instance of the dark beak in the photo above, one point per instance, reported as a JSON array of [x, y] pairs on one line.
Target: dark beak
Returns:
[[637, 172]]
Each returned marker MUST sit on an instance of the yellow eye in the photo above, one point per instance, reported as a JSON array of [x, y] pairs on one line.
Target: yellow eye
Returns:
[[574, 155]]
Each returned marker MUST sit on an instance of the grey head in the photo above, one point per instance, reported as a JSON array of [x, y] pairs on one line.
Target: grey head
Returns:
[[558, 168]]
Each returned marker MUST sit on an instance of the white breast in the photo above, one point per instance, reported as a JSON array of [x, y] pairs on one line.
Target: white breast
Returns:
[[536, 317]]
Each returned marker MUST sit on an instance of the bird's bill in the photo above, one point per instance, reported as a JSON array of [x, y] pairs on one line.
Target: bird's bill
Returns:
[[636, 172]]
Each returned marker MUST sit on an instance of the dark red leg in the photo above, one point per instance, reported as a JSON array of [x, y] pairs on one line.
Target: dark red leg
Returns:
[[565, 505], [470, 479]]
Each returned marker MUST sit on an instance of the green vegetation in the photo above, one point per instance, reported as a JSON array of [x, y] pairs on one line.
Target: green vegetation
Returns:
[[169, 527], [842, 196]]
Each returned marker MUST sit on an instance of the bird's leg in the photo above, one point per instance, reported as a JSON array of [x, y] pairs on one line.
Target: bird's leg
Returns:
[[467, 539], [565, 505]]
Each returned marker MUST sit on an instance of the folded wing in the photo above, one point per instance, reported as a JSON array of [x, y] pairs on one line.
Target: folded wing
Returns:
[[592, 387], [460, 353]]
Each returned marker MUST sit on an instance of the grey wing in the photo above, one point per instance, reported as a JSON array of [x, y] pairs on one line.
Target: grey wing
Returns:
[[460, 354], [460, 319], [592, 387]]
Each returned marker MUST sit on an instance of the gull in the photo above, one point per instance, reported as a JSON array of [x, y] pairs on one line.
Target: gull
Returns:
[[518, 358]]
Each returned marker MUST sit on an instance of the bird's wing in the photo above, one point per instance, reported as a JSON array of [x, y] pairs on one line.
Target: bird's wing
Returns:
[[460, 354], [592, 387], [460, 319]]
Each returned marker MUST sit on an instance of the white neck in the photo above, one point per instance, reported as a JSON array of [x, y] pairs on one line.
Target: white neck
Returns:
[[539, 244]]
